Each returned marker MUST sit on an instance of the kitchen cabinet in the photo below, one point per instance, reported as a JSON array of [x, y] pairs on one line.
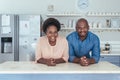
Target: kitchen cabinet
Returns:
[[63, 76], [112, 59]]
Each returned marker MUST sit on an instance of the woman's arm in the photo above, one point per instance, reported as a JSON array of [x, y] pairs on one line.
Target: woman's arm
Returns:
[[42, 60], [60, 60], [38, 52], [65, 53], [49, 62]]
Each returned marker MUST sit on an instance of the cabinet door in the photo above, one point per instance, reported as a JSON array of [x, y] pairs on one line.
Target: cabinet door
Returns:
[[116, 63], [112, 59]]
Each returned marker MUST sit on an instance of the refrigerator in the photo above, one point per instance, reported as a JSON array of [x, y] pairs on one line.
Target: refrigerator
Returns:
[[8, 37], [29, 33]]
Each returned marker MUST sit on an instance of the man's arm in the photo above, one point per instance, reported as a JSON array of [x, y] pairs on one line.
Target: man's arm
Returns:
[[91, 61], [71, 51], [95, 54], [76, 60], [84, 61], [95, 51]]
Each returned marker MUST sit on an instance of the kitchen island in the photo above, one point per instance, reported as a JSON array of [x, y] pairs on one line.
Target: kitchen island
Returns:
[[66, 71], [32, 67]]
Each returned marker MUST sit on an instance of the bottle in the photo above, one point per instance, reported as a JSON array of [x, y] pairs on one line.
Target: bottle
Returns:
[[70, 24], [107, 47], [99, 25], [74, 23], [108, 23], [94, 25]]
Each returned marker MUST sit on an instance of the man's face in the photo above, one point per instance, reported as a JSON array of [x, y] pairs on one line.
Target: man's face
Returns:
[[82, 28]]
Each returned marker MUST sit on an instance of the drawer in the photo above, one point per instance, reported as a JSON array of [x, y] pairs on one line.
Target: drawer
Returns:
[[110, 58]]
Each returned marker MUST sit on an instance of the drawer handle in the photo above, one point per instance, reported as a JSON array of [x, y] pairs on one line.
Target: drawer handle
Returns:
[[102, 57]]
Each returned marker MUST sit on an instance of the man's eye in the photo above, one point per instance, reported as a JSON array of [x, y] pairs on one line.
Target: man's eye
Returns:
[[55, 32], [78, 28]]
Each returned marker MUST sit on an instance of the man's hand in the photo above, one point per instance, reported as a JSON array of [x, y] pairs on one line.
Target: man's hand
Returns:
[[51, 62], [84, 61]]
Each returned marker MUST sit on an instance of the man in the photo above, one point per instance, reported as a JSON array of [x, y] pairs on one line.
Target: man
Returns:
[[81, 43]]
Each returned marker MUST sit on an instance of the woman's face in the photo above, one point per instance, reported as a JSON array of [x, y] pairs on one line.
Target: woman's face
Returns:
[[52, 33]]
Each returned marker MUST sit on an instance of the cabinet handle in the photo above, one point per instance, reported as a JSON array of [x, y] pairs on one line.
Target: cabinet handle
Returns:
[[102, 57]]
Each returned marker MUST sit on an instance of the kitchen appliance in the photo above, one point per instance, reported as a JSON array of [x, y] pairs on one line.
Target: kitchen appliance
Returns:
[[6, 45], [8, 37], [29, 33]]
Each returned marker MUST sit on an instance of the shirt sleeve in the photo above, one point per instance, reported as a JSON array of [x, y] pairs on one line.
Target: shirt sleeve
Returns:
[[96, 50], [38, 51], [71, 51], [65, 53]]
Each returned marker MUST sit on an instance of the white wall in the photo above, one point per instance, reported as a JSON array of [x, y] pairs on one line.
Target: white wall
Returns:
[[60, 6], [40, 6]]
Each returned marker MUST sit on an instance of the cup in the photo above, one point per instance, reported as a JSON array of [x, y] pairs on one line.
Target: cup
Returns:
[[99, 25], [94, 25]]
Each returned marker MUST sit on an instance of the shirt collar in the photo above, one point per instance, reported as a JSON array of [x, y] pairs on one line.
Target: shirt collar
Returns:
[[77, 35]]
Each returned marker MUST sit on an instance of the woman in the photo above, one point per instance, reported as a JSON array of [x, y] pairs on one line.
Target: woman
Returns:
[[51, 48]]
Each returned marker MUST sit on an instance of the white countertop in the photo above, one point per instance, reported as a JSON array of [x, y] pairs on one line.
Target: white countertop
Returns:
[[109, 54], [31, 67], [112, 53]]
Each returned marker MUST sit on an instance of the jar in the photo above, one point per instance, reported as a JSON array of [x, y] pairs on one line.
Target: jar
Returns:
[[107, 47]]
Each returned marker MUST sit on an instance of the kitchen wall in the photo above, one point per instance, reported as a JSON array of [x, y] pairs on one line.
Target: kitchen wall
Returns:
[[40, 6], [62, 6]]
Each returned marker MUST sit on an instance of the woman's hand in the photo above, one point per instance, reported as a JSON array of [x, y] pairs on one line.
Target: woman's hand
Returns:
[[51, 62]]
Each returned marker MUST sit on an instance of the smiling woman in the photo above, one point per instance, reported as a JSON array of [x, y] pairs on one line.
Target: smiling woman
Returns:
[[50, 49]]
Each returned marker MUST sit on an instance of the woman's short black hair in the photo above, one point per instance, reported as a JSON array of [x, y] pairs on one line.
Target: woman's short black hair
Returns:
[[51, 22]]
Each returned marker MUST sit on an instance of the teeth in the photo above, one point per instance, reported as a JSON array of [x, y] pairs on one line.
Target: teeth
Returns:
[[52, 38]]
